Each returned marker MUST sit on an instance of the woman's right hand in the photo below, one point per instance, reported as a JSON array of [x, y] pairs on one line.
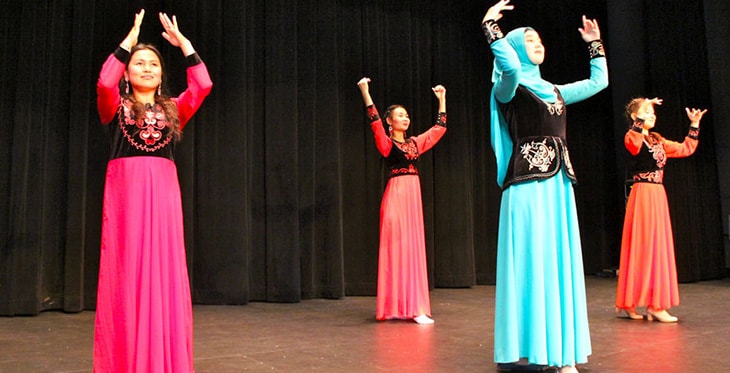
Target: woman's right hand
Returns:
[[363, 84], [495, 12], [131, 39]]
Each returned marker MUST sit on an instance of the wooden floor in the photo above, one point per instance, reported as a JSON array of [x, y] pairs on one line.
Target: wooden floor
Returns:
[[342, 336]]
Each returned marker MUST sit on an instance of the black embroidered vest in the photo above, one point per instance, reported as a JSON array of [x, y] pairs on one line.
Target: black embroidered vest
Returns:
[[537, 130], [150, 136], [403, 158]]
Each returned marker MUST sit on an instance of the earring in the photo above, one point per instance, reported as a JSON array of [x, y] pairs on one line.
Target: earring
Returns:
[[390, 129], [159, 90], [126, 86]]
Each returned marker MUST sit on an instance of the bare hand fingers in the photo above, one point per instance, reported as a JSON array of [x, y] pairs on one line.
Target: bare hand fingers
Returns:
[[138, 18]]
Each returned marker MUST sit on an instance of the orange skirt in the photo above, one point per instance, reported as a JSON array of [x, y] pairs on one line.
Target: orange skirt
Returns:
[[647, 271]]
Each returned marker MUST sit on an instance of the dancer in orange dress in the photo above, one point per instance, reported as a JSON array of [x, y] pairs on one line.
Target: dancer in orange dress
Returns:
[[647, 273], [402, 271]]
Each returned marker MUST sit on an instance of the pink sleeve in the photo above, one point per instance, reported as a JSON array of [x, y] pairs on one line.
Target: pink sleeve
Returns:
[[633, 141], [428, 139], [382, 141], [199, 86], [107, 88]]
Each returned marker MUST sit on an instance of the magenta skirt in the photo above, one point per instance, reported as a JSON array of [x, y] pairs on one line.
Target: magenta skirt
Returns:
[[402, 270], [144, 317]]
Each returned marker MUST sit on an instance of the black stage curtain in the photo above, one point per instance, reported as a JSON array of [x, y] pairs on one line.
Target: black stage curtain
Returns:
[[281, 180]]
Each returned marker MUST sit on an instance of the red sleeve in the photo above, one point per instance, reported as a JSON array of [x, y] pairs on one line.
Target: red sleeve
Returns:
[[382, 141], [680, 149], [633, 141], [199, 86], [107, 88]]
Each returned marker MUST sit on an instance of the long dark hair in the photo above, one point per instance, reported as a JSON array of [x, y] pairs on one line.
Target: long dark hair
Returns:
[[162, 97]]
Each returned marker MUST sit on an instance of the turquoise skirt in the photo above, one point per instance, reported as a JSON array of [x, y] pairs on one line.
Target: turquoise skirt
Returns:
[[540, 305]]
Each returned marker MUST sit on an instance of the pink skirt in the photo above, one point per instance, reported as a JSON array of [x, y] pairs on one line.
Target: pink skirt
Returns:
[[402, 269], [144, 317], [647, 272]]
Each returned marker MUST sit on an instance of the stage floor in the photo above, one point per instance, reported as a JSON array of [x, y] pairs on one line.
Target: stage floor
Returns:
[[343, 336]]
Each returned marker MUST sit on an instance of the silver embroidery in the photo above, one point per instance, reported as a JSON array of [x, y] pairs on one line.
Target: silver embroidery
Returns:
[[566, 159], [657, 151], [538, 154], [555, 108], [651, 176]]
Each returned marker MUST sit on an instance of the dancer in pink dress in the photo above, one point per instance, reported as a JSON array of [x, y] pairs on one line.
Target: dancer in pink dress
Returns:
[[402, 271], [144, 318]]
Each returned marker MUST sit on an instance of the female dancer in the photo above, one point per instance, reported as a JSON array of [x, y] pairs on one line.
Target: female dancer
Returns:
[[540, 309], [647, 273], [144, 318], [402, 277]]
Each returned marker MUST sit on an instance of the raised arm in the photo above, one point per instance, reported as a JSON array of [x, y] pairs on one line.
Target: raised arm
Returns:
[[198, 78], [583, 89], [689, 145], [107, 87], [506, 63], [428, 139], [382, 141]]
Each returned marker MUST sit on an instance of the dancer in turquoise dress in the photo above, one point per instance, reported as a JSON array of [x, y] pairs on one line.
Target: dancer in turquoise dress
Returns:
[[540, 310]]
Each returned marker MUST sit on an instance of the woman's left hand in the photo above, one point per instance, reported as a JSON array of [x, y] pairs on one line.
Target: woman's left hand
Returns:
[[439, 91], [695, 115], [589, 32], [173, 35]]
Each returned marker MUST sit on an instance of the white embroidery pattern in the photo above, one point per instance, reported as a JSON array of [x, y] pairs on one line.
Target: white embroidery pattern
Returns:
[[566, 158], [652, 176], [657, 151], [555, 108], [538, 154]]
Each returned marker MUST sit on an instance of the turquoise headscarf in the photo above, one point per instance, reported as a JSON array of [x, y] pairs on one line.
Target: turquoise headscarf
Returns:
[[530, 78]]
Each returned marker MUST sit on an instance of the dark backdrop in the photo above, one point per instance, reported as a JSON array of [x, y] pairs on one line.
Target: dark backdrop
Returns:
[[281, 180]]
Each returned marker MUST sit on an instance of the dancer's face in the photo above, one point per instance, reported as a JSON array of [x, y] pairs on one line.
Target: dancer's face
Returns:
[[399, 119], [144, 70], [534, 48], [646, 113]]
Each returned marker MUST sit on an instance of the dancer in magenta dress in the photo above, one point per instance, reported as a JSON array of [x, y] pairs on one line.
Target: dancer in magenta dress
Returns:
[[402, 270], [144, 318]]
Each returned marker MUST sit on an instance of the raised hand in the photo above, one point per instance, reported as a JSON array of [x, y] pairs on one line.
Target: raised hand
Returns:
[[133, 35], [439, 91], [695, 115], [173, 35], [589, 32], [654, 101], [364, 85], [495, 12]]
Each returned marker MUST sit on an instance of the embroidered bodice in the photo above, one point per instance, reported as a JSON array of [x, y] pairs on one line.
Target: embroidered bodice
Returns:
[[150, 135], [650, 153], [401, 158], [537, 129]]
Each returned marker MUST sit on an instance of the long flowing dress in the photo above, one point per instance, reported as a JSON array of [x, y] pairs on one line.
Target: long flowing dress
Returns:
[[647, 273], [540, 304], [403, 290], [144, 319]]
